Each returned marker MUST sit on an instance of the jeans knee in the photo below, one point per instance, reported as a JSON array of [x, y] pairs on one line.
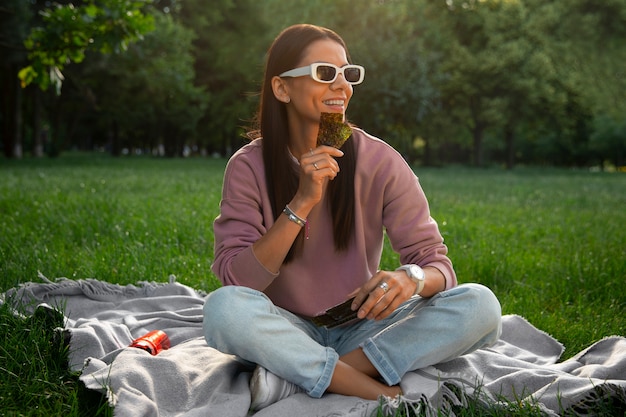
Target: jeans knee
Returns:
[[485, 299], [487, 311], [223, 314], [215, 303]]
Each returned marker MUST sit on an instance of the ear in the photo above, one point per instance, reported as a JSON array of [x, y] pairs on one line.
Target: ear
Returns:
[[280, 89]]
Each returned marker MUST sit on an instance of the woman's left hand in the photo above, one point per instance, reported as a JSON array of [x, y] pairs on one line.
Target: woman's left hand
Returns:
[[382, 294]]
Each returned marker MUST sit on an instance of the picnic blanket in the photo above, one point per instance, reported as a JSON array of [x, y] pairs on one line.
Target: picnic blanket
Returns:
[[192, 379]]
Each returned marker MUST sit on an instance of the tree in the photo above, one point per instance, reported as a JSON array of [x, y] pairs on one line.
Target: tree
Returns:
[[608, 140], [145, 98], [531, 86], [498, 74], [399, 95], [520, 81], [228, 51], [15, 20], [62, 34], [68, 31], [592, 49]]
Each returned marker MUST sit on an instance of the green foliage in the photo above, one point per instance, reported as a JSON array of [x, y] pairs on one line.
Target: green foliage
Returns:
[[68, 31], [499, 73], [607, 140], [228, 51], [147, 95], [495, 69], [591, 47], [15, 19], [399, 76], [488, 81]]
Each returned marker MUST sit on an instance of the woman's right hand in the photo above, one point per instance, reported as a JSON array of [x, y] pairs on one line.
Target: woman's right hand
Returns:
[[317, 167]]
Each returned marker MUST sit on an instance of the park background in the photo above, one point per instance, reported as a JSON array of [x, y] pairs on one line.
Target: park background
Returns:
[[479, 82], [117, 116]]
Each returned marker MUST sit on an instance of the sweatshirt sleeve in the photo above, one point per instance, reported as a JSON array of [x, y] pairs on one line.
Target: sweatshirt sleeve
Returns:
[[412, 232], [243, 219]]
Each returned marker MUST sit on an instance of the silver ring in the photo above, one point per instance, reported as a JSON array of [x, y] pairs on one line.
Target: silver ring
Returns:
[[315, 165], [384, 286]]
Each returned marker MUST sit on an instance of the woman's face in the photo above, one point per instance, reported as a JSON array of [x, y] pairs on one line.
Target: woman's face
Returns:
[[309, 98]]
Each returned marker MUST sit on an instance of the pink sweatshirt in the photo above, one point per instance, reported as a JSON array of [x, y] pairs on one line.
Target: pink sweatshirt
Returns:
[[388, 197]]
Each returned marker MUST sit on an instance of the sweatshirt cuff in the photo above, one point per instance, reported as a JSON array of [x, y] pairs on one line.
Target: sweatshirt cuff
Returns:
[[448, 274], [248, 271]]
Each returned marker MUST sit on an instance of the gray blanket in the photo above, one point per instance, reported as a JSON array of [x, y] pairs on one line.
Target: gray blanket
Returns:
[[191, 379]]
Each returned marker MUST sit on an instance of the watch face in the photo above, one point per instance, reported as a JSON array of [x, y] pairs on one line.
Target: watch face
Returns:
[[416, 272]]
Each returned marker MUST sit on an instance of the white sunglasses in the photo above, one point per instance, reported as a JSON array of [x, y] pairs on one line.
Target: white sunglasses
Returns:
[[328, 73]]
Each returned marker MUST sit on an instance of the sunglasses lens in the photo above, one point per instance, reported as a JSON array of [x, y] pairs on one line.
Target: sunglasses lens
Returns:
[[352, 74], [326, 73]]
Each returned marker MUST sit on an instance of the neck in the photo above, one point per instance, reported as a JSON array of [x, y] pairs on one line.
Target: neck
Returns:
[[302, 138]]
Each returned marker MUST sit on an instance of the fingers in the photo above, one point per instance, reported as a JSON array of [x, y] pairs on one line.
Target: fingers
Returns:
[[362, 294], [379, 297], [321, 168], [334, 152], [320, 162], [317, 167]]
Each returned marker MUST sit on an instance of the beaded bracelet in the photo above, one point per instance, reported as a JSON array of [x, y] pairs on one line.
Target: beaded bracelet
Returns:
[[294, 217]]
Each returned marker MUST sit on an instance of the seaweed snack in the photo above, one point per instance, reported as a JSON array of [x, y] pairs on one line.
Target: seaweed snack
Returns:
[[333, 131]]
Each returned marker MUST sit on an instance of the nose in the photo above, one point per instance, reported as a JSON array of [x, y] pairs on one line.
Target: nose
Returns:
[[341, 83]]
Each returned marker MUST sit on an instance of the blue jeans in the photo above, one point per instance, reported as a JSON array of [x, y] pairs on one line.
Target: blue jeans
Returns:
[[423, 331]]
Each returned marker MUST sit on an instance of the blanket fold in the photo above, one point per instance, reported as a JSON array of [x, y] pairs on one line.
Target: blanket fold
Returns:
[[192, 379]]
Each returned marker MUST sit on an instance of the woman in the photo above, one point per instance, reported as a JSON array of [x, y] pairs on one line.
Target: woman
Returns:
[[301, 229]]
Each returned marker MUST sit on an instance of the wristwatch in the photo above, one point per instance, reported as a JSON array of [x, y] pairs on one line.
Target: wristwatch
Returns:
[[416, 274]]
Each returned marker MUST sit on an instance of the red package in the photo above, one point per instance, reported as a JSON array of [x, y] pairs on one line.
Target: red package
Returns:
[[152, 342]]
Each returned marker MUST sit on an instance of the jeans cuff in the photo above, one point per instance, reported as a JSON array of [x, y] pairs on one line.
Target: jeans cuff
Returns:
[[324, 381], [380, 362]]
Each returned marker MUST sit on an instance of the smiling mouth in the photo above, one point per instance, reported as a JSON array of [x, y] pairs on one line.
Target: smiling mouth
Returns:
[[334, 103]]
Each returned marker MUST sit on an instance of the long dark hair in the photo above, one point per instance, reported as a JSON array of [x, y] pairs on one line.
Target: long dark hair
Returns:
[[272, 126]]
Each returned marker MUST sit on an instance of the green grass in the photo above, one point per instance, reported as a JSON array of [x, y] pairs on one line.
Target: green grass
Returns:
[[550, 243], [119, 220], [35, 376]]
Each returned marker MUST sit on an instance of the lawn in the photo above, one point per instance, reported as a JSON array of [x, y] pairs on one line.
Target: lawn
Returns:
[[551, 243]]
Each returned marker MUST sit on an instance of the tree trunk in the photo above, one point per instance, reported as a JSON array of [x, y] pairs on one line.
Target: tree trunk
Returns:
[[17, 120], [11, 112], [477, 130], [8, 107], [116, 146], [477, 133], [427, 153], [509, 137], [38, 132]]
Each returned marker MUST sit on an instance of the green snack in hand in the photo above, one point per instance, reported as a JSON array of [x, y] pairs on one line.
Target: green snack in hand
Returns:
[[333, 131]]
